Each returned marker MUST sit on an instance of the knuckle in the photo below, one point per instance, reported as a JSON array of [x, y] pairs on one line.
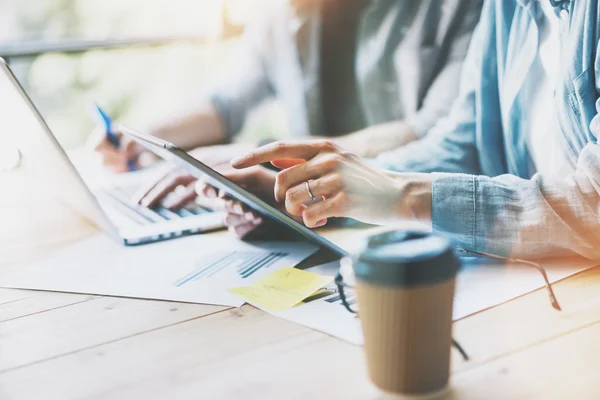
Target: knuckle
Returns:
[[335, 179], [281, 178], [340, 180], [291, 196], [328, 145], [279, 145], [292, 203], [347, 155], [315, 187], [308, 215], [332, 161]]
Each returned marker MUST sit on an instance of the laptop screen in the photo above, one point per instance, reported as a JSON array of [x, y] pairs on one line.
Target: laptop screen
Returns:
[[41, 155]]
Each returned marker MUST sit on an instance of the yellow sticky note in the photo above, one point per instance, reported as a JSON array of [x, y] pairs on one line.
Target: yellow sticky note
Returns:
[[283, 289]]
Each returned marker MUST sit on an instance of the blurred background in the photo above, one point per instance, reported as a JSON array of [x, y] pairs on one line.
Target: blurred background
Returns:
[[141, 60]]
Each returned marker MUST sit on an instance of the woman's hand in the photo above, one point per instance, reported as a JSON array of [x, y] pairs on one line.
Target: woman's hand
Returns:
[[176, 188], [241, 221], [346, 185], [116, 159]]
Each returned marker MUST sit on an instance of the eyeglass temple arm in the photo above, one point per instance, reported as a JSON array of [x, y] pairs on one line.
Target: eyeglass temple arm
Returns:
[[537, 266]]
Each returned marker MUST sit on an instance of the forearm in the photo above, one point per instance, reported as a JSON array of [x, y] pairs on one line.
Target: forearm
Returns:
[[377, 139], [506, 215], [510, 216], [203, 127]]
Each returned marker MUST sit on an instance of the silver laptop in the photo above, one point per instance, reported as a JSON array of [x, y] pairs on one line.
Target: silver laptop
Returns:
[[107, 206]]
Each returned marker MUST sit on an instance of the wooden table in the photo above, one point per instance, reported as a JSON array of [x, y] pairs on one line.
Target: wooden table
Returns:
[[71, 346]]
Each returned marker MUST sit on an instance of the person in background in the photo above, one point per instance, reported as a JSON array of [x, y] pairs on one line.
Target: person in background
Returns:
[[513, 170], [370, 75]]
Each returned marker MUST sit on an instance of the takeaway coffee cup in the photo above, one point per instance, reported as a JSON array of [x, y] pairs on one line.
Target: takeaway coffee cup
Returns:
[[405, 283]]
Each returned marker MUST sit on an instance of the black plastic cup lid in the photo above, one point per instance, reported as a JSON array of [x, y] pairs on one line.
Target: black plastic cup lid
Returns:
[[405, 259]]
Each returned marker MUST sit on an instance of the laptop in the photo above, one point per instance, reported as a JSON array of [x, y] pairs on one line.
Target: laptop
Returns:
[[109, 207]]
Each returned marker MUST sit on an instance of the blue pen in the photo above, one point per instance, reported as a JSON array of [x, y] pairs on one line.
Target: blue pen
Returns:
[[110, 134]]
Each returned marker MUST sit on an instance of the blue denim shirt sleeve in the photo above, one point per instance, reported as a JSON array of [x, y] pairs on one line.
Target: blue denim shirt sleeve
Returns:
[[544, 216], [497, 212]]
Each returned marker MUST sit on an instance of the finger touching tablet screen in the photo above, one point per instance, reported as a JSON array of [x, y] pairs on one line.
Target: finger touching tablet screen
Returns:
[[172, 153]]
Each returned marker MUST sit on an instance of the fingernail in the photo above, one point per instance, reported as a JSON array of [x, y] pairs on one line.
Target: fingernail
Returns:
[[237, 162], [249, 216], [320, 223]]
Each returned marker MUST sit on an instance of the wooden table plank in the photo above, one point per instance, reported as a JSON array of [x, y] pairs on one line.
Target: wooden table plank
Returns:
[[238, 338], [222, 355], [528, 320], [87, 324], [562, 368], [39, 302]]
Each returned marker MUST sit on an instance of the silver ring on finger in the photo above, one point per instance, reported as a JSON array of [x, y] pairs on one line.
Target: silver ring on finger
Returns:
[[309, 191]]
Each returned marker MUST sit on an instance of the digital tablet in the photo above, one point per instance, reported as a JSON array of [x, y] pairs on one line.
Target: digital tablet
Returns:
[[172, 153]]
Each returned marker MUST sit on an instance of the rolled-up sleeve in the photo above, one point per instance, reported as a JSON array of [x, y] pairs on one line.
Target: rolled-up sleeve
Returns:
[[507, 215], [245, 83]]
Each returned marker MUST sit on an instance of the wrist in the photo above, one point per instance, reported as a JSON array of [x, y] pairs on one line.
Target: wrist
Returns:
[[414, 197]]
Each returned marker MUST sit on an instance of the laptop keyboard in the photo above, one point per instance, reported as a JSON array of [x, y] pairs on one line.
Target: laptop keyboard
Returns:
[[144, 215]]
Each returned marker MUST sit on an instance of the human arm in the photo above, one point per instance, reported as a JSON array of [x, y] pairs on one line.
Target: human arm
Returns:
[[222, 109], [331, 182], [374, 140], [450, 145], [444, 87], [441, 91], [503, 214]]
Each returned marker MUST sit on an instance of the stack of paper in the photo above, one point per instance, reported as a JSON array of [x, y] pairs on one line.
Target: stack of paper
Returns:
[[197, 269]]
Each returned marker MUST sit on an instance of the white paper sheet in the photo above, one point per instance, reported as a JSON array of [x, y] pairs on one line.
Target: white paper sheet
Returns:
[[478, 288], [196, 269]]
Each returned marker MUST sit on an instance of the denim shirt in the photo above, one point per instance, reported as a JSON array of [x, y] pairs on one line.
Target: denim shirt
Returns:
[[483, 194]]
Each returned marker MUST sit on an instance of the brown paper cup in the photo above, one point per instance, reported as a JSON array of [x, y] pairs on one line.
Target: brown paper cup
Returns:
[[408, 336]]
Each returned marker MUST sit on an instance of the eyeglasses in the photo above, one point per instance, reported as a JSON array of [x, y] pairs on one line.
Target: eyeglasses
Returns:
[[343, 287], [537, 266]]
